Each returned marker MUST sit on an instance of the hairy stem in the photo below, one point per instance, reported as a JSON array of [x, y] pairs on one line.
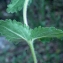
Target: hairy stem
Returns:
[[33, 52], [25, 12]]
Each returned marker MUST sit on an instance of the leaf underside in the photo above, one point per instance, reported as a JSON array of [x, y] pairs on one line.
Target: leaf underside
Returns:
[[46, 32], [14, 30], [15, 5]]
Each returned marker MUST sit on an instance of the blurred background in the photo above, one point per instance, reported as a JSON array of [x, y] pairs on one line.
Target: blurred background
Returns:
[[45, 13]]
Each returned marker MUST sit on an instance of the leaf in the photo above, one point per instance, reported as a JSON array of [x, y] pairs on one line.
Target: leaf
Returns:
[[45, 40], [15, 5], [46, 32], [13, 30]]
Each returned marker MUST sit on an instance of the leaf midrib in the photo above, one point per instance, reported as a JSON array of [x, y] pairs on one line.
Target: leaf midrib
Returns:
[[14, 32], [15, 3], [46, 36]]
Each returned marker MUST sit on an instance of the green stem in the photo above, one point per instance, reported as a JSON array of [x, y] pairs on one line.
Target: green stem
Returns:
[[33, 52], [25, 22], [25, 12]]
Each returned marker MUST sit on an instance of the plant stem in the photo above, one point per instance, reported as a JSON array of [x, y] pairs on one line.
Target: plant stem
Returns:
[[33, 52], [25, 22], [25, 12]]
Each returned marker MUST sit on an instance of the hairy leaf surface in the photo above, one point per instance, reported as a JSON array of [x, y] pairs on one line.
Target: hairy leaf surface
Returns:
[[14, 30], [46, 32], [15, 5]]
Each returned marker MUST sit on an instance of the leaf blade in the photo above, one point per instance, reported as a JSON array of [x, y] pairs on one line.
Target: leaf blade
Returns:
[[15, 5], [46, 32], [14, 30]]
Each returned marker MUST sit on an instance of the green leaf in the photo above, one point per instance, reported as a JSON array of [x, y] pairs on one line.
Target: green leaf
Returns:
[[13, 30], [46, 32], [15, 5]]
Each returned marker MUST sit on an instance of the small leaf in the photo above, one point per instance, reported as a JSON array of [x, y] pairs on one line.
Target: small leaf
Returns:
[[46, 32], [13, 30], [15, 5]]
